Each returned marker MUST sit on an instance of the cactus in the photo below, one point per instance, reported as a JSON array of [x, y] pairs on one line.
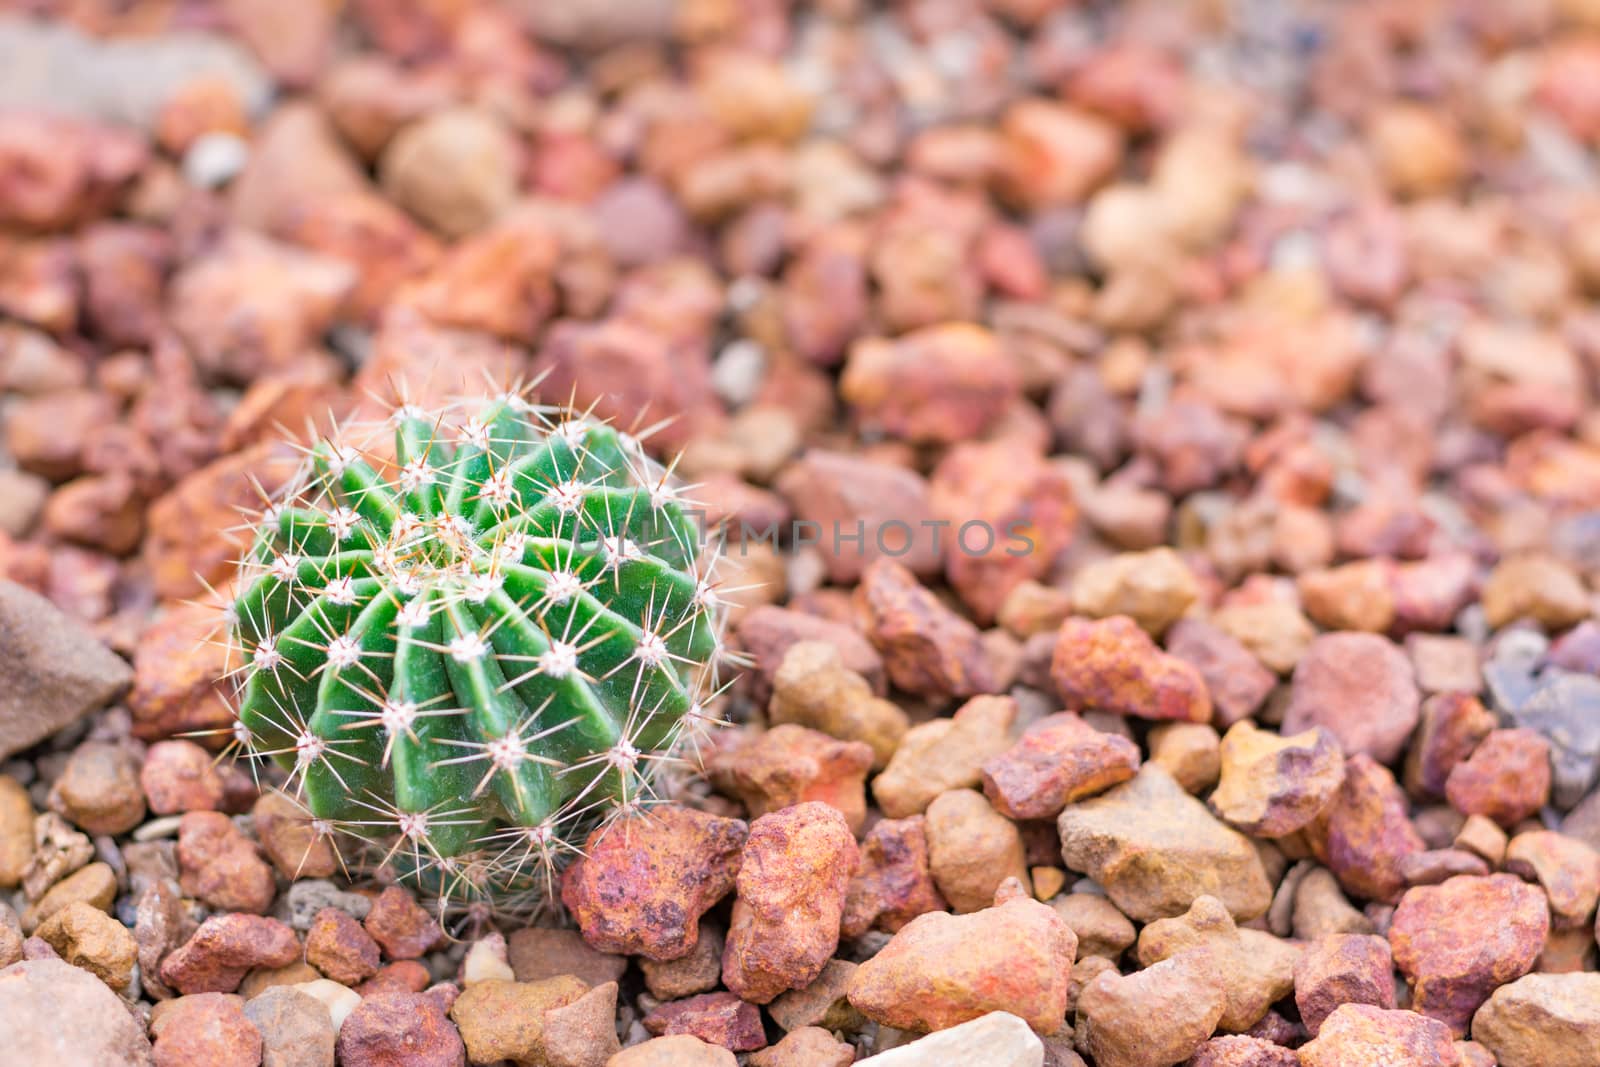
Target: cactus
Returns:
[[472, 651]]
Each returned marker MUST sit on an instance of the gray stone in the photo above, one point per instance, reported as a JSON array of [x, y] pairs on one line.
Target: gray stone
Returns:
[[1565, 708], [63, 1016], [296, 1028], [53, 671], [998, 1039], [299, 906]]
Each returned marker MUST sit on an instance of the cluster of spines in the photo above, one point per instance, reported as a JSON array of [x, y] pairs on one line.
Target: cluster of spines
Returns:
[[471, 651]]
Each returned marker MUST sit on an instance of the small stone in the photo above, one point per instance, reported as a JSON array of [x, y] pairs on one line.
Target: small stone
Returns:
[[894, 881], [486, 961], [1054, 155], [1058, 760], [792, 881], [1458, 941], [1483, 838], [456, 170], [296, 1029], [1361, 688], [941, 970], [642, 884], [209, 1028], [300, 905], [1507, 777], [180, 776], [1101, 929], [944, 754], [402, 976], [1114, 665], [1536, 587], [835, 490], [16, 831], [1189, 751], [98, 790], [1273, 785], [1274, 631], [998, 1039], [337, 946], [537, 953], [936, 385], [698, 972], [823, 1003], [809, 1046], [59, 1014], [290, 838], [399, 1030], [1362, 1033], [1354, 596], [767, 633], [216, 958], [678, 1050], [1418, 150], [1542, 1020], [1453, 724], [971, 849], [1567, 869], [1236, 1050], [1366, 833], [56, 670], [1046, 881], [85, 936], [95, 885], [58, 850], [1152, 588], [1342, 969], [1444, 664], [1437, 864], [1159, 1015], [927, 649], [814, 688], [1320, 908], [790, 764], [1565, 708], [340, 1000], [220, 866], [176, 671], [400, 926], [1156, 849], [584, 1032], [1253, 968], [502, 1020], [718, 1018]]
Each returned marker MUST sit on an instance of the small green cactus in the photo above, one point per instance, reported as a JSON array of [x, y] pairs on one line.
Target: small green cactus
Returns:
[[472, 651]]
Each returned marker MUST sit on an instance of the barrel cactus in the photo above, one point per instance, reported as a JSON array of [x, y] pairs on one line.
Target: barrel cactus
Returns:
[[473, 649]]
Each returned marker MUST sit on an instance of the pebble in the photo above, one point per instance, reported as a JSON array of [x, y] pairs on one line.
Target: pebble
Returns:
[[1155, 849], [944, 754], [216, 957], [1101, 929], [59, 1014], [219, 864], [1320, 908], [940, 384], [1565, 868], [643, 883], [1275, 632], [209, 1028], [180, 776], [1534, 587], [289, 837], [55, 670], [1542, 1020], [502, 1020], [296, 1029], [58, 850], [1153, 588], [927, 649], [894, 882], [809, 1046], [584, 1032], [537, 953], [337, 946], [85, 936], [717, 1018], [1565, 708], [1362, 1033], [1366, 833], [95, 885], [677, 1050], [400, 925], [767, 633], [1059, 759], [941, 970], [1453, 724], [1456, 942], [1360, 687], [98, 790], [1240, 1051], [835, 490], [1114, 665], [16, 831], [698, 972], [455, 170], [998, 1039], [1189, 751], [824, 1003], [1272, 785], [1444, 664], [1342, 969], [1507, 777], [338, 999], [1253, 968], [1159, 1015], [814, 688], [300, 905], [791, 764], [792, 881], [399, 1030], [1484, 839]]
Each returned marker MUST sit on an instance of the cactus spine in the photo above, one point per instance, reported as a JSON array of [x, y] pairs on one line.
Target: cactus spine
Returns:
[[473, 651]]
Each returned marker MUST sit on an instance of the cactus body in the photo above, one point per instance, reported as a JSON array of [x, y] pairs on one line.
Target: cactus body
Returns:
[[474, 651]]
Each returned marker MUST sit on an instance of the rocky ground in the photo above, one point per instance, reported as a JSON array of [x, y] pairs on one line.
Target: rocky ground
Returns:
[[1267, 325]]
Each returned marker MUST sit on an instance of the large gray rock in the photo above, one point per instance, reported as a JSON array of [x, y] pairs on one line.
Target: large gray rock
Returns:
[[1565, 708], [53, 671], [998, 1039], [57, 1014]]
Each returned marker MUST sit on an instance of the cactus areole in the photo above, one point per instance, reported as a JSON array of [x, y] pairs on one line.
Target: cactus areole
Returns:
[[473, 650]]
